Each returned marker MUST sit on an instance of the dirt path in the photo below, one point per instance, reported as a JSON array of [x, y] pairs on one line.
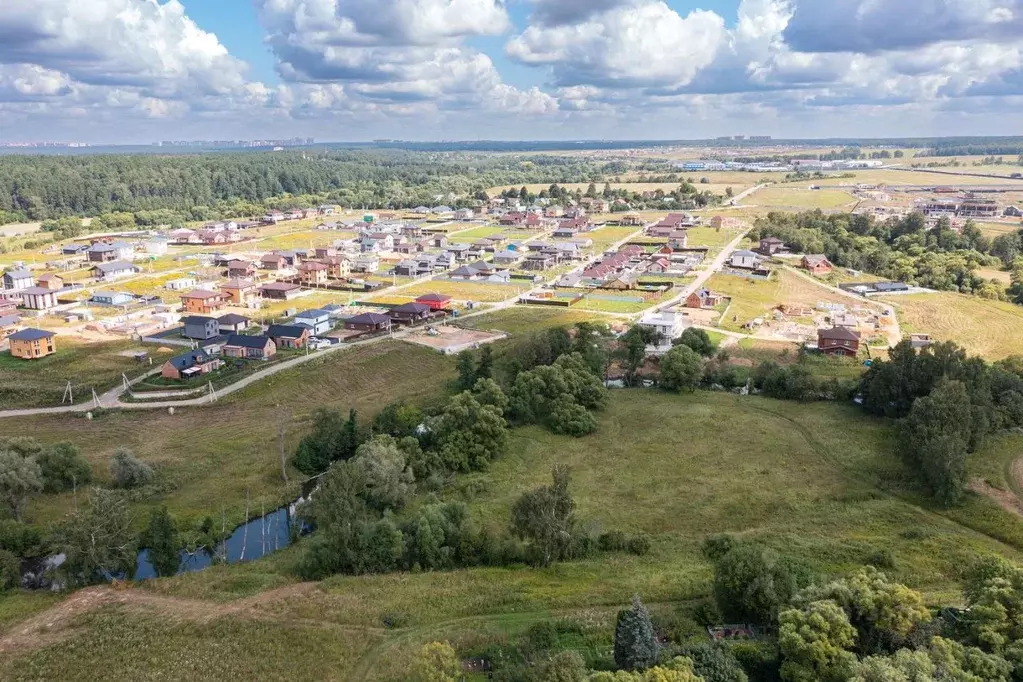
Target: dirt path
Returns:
[[56, 623]]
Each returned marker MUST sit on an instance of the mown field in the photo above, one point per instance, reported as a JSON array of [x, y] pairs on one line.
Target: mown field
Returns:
[[757, 298], [819, 481], [208, 458], [993, 329], [41, 382], [800, 197], [469, 291], [527, 319]]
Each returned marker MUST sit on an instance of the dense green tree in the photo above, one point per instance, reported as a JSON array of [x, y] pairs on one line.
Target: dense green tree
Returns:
[[636, 646], [398, 419], [465, 364], [753, 583], [714, 663], [436, 662], [20, 477], [163, 541], [390, 483], [488, 392], [903, 666], [63, 467], [333, 438], [470, 435], [98, 541], [128, 471], [679, 669], [570, 418], [565, 666], [544, 517], [697, 339], [815, 642], [485, 366], [935, 439], [681, 370]]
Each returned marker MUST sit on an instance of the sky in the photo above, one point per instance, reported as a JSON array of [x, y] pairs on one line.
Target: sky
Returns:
[[139, 71]]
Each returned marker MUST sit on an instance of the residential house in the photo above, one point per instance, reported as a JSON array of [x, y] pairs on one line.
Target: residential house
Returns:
[[8, 306], [564, 232], [818, 264], [324, 252], [465, 273], [540, 260], [17, 279], [553, 211], [200, 327], [233, 323], [326, 209], [184, 236], [338, 267], [292, 257], [1012, 212], [506, 257], [727, 222], [191, 364], [746, 260], [181, 284], [240, 291], [8, 325], [38, 298], [439, 241], [838, 341], [704, 299], [678, 239], [157, 246], [282, 291], [435, 301], [459, 251], [367, 263], [29, 344], [103, 252], [112, 298], [317, 320], [273, 217], [408, 268], [250, 347], [669, 325], [674, 221], [109, 272], [203, 302], [464, 214], [74, 250], [274, 262], [289, 335], [659, 266], [625, 280], [313, 272], [369, 322], [51, 281], [410, 313], [240, 269], [770, 246]]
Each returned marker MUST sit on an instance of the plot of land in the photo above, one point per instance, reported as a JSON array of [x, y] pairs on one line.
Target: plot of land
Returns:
[[993, 329], [997, 229], [753, 298], [528, 319], [448, 339], [800, 197], [606, 236], [624, 301], [469, 291], [41, 383]]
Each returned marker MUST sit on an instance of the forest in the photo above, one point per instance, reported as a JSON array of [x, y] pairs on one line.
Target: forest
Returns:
[[201, 187]]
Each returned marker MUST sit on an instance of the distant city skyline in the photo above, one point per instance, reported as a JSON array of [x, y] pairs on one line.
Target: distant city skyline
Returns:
[[141, 71]]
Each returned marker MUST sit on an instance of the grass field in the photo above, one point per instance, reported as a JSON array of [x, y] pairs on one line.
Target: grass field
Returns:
[[756, 298], [41, 383], [820, 482], [1000, 276], [606, 236], [801, 197], [997, 229], [993, 329], [468, 291], [710, 237], [209, 457], [606, 306], [528, 319]]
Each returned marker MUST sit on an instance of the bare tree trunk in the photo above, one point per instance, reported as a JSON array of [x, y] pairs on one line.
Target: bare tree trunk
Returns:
[[282, 431]]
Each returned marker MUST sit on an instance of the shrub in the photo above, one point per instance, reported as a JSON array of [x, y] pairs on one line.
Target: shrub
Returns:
[[882, 558], [716, 546], [567, 666], [64, 468], [542, 636], [639, 545], [21, 540], [128, 471], [613, 541], [10, 571]]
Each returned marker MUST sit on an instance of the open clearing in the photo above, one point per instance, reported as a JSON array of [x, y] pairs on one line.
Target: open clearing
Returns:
[[529, 319], [753, 298], [993, 329], [208, 457], [469, 291], [800, 197], [820, 481]]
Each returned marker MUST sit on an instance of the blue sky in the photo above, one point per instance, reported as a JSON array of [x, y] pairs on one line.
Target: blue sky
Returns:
[[144, 70]]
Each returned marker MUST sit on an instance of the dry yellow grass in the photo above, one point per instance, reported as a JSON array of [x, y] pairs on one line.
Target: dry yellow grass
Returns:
[[992, 329]]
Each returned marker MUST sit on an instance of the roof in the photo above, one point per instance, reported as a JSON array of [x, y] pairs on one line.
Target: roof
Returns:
[[316, 312], [434, 298], [280, 286], [771, 240], [110, 294], [369, 318], [814, 259], [237, 284], [19, 273], [838, 334], [744, 254], [288, 331], [189, 359], [38, 291], [198, 319], [115, 266], [202, 294], [414, 308], [465, 271], [31, 335], [312, 265], [48, 276], [232, 318], [244, 341]]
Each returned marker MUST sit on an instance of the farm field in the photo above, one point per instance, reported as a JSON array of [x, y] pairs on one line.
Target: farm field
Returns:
[[799, 197], [756, 298], [468, 291], [820, 482], [41, 382], [950, 176], [209, 457], [992, 329], [997, 229]]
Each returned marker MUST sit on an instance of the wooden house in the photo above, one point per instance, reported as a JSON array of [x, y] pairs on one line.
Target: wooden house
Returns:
[[30, 344], [818, 264]]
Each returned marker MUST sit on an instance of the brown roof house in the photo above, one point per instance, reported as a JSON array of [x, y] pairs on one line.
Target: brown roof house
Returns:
[[818, 264], [369, 322], [410, 313], [203, 302], [191, 364], [838, 341], [313, 272], [240, 269], [703, 299], [289, 335], [282, 291], [250, 347], [240, 291]]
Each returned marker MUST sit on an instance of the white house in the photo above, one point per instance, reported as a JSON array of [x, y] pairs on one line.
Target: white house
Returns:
[[744, 259], [668, 324], [317, 320], [181, 284], [365, 264], [108, 272], [18, 279], [157, 246]]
